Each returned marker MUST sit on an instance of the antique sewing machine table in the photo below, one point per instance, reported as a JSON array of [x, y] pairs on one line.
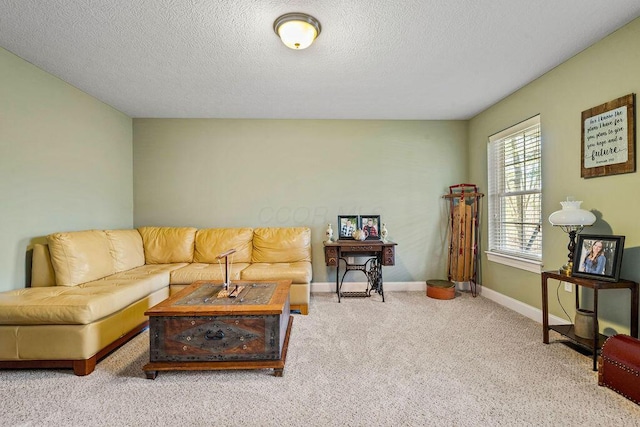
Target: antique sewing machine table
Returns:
[[201, 328], [379, 252]]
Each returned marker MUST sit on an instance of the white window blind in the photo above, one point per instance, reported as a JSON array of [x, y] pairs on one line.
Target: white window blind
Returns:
[[515, 191]]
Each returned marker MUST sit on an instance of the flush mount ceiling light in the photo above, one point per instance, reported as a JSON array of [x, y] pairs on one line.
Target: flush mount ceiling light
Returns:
[[297, 30]]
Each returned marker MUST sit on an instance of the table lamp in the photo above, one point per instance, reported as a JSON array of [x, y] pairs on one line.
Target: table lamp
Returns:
[[571, 219]]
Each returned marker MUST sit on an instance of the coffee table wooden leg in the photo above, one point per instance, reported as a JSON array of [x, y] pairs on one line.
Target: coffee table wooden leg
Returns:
[[151, 375]]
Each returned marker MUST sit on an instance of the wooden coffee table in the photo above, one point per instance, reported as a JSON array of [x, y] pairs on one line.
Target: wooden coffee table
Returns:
[[196, 330]]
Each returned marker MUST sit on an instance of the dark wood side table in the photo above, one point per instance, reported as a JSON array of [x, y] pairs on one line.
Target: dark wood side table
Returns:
[[568, 330], [380, 253]]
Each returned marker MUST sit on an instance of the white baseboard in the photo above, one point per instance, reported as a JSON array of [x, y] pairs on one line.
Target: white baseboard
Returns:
[[508, 302], [520, 307], [360, 286]]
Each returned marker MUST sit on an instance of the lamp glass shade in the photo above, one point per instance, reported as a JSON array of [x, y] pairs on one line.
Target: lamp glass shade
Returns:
[[297, 34], [571, 214]]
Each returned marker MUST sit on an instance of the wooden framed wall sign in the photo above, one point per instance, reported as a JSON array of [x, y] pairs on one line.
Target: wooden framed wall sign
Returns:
[[609, 138]]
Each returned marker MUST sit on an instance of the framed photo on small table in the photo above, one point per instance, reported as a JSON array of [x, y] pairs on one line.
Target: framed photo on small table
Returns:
[[347, 225], [598, 257], [371, 226]]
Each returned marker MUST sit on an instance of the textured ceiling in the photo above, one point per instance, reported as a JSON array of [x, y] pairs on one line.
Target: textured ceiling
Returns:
[[375, 59]]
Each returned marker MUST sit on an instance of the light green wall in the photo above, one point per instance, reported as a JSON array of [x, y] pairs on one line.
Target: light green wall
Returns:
[[601, 73], [256, 173], [65, 163]]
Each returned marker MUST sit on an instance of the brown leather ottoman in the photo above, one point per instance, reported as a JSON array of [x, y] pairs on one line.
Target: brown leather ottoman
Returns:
[[619, 366]]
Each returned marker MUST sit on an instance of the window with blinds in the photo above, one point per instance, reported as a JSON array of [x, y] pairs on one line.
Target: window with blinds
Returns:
[[515, 191]]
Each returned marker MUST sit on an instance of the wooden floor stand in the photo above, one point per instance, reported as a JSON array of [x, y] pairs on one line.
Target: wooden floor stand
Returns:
[[464, 208]]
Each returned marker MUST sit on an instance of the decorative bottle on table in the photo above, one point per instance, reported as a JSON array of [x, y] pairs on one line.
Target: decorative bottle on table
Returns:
[[384, 233], [329, 233], [359, 234]]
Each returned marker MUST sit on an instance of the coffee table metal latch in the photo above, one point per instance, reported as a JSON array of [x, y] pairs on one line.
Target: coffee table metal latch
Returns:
[[211, 336]]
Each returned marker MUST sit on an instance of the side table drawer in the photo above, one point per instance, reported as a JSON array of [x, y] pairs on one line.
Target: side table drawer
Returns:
[[362, 248], [388, 256], [331, 256]]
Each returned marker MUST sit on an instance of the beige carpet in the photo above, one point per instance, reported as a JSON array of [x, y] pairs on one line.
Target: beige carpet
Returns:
[[411, 361]]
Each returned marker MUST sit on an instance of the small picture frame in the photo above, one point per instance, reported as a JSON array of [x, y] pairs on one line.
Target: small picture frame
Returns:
[[598, 257], [370, 224], [347, 224]]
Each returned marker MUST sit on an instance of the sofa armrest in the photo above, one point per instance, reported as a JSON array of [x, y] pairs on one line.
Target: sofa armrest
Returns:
[[42, 273]]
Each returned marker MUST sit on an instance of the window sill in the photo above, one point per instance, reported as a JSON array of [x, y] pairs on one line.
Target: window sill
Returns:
[[513, 261]]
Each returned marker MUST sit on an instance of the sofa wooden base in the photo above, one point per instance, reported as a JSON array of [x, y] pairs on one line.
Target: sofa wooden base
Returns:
[[80, 367], [303, 308]]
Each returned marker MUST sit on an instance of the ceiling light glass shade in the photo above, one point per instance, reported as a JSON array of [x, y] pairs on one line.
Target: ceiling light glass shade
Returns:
[[572, 215], [297, 30]]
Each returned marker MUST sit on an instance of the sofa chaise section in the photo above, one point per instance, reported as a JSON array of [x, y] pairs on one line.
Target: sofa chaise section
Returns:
[[90, 291], [65, 327]]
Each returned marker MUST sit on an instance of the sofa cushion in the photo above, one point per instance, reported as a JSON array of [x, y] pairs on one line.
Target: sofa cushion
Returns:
[[198, 271], [80, 256], [168, 245], [287, 244], [211, 242], [126, 249], [162, 271], [80, 304], [297, 272]]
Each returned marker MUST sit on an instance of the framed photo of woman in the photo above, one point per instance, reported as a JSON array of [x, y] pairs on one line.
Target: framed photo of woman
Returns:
[[598, 257]]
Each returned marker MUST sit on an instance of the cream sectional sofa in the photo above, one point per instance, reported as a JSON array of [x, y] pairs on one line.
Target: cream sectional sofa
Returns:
[[90, 289]]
